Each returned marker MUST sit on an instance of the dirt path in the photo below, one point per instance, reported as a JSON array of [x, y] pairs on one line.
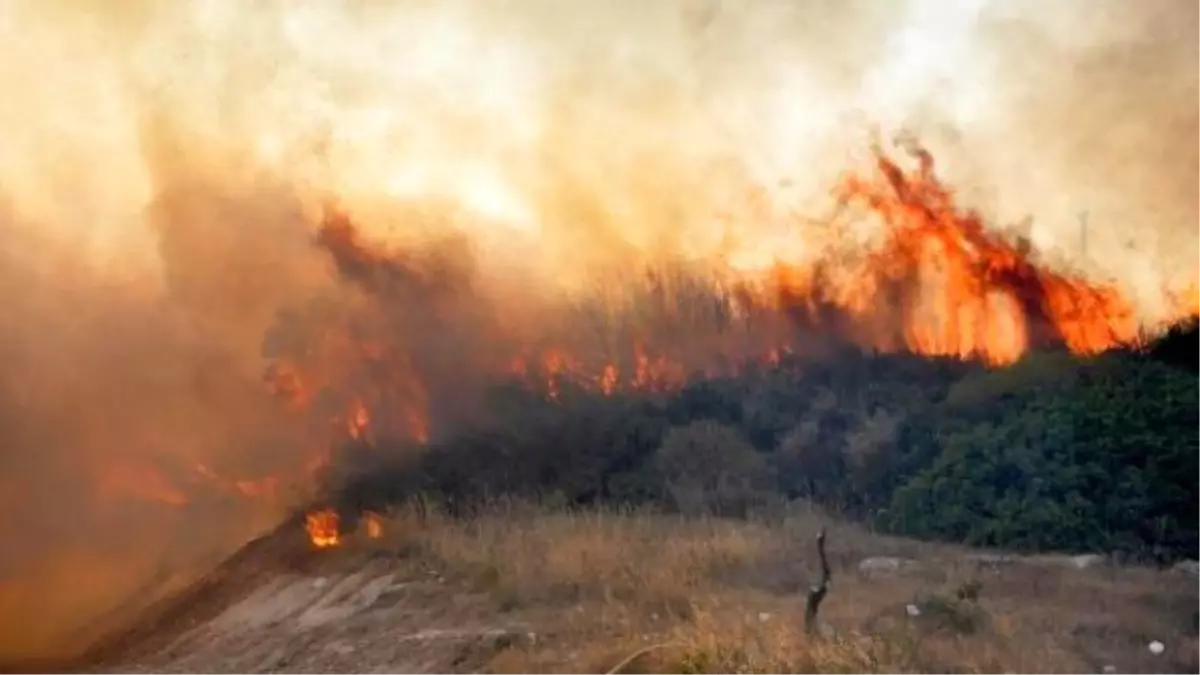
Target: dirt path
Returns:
[[367, 620]]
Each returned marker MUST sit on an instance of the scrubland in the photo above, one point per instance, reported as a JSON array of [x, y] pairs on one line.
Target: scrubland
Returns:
[[638, 591]]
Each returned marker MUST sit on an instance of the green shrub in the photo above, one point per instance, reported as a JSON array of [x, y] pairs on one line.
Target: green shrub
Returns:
[[710, 469]]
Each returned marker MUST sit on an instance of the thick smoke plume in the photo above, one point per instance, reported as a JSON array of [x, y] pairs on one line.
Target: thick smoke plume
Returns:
[[168, 175]]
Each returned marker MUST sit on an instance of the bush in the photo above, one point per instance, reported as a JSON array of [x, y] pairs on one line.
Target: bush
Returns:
[[1107, 462], [710, 469]]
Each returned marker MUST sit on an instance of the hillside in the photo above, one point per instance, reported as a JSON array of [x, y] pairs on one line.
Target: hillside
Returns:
[[522, 589], [573, 531]]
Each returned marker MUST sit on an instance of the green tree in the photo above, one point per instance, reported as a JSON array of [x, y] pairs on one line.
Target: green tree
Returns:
[[1103, 459]]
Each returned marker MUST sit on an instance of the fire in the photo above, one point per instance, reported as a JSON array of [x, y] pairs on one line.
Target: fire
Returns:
[[359, 420], [322, 526], [1184, 302], [415, 336], [375, 364], [373, 523], [960, 288]]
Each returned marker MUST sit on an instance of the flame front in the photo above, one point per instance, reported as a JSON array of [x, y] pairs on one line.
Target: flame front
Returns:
[[406, 352], [322, 526], [960, 288], [403, 354]]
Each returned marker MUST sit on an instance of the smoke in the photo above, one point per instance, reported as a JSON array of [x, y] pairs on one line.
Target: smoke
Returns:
[[166, 166]]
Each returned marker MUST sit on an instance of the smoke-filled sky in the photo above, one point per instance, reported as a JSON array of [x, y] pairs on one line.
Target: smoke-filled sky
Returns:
[[166, 162]]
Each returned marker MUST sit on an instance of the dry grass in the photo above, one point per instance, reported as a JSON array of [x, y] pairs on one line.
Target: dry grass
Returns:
[[588, 589]]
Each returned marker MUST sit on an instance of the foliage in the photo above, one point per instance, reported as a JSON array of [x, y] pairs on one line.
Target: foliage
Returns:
[[1099, 455], [709, 469], [1055, 452]]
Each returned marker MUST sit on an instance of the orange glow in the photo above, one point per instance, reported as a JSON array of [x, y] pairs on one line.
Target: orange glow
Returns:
[[960, 288], [358, 420], [1185, 302], [322, 526], [373, 523], [937, 281], [248, 488], [266, 487], [140, 481]]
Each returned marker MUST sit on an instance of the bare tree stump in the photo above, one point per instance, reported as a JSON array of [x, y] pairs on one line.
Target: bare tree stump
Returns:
[[816, 593]]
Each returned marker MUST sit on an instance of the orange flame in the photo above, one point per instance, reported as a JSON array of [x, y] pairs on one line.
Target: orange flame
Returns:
[[358, 420], [373, 523], [960, 289], [939, 282], [322, 526]]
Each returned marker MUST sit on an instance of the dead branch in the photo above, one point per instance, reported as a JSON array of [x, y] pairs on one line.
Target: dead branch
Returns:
[[817, 592]]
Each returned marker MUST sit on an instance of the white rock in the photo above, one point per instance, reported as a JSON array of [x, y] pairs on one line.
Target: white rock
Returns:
[[1108, 670], [1157, 647], [885, 566], [912, 610], [1191, 567], [764, 617], [1078, 562], [319, 582], [993, 560], [1083, 562]]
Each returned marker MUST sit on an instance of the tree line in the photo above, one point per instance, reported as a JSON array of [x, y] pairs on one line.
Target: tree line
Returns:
[[1055, 452]]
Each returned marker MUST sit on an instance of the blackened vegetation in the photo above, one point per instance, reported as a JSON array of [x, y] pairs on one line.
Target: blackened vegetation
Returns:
[[1056, 452]]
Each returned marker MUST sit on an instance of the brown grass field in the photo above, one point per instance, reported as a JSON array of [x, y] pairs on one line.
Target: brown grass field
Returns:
[[728, 596]]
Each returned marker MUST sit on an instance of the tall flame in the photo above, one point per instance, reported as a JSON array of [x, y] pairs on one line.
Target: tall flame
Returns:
[[958, 288]]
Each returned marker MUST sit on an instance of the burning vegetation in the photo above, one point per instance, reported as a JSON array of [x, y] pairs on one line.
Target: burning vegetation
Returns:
[[323, 528], [326, 529], [707, 389], [405, 357], [415, 348], [328, 256], [415, 354]]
